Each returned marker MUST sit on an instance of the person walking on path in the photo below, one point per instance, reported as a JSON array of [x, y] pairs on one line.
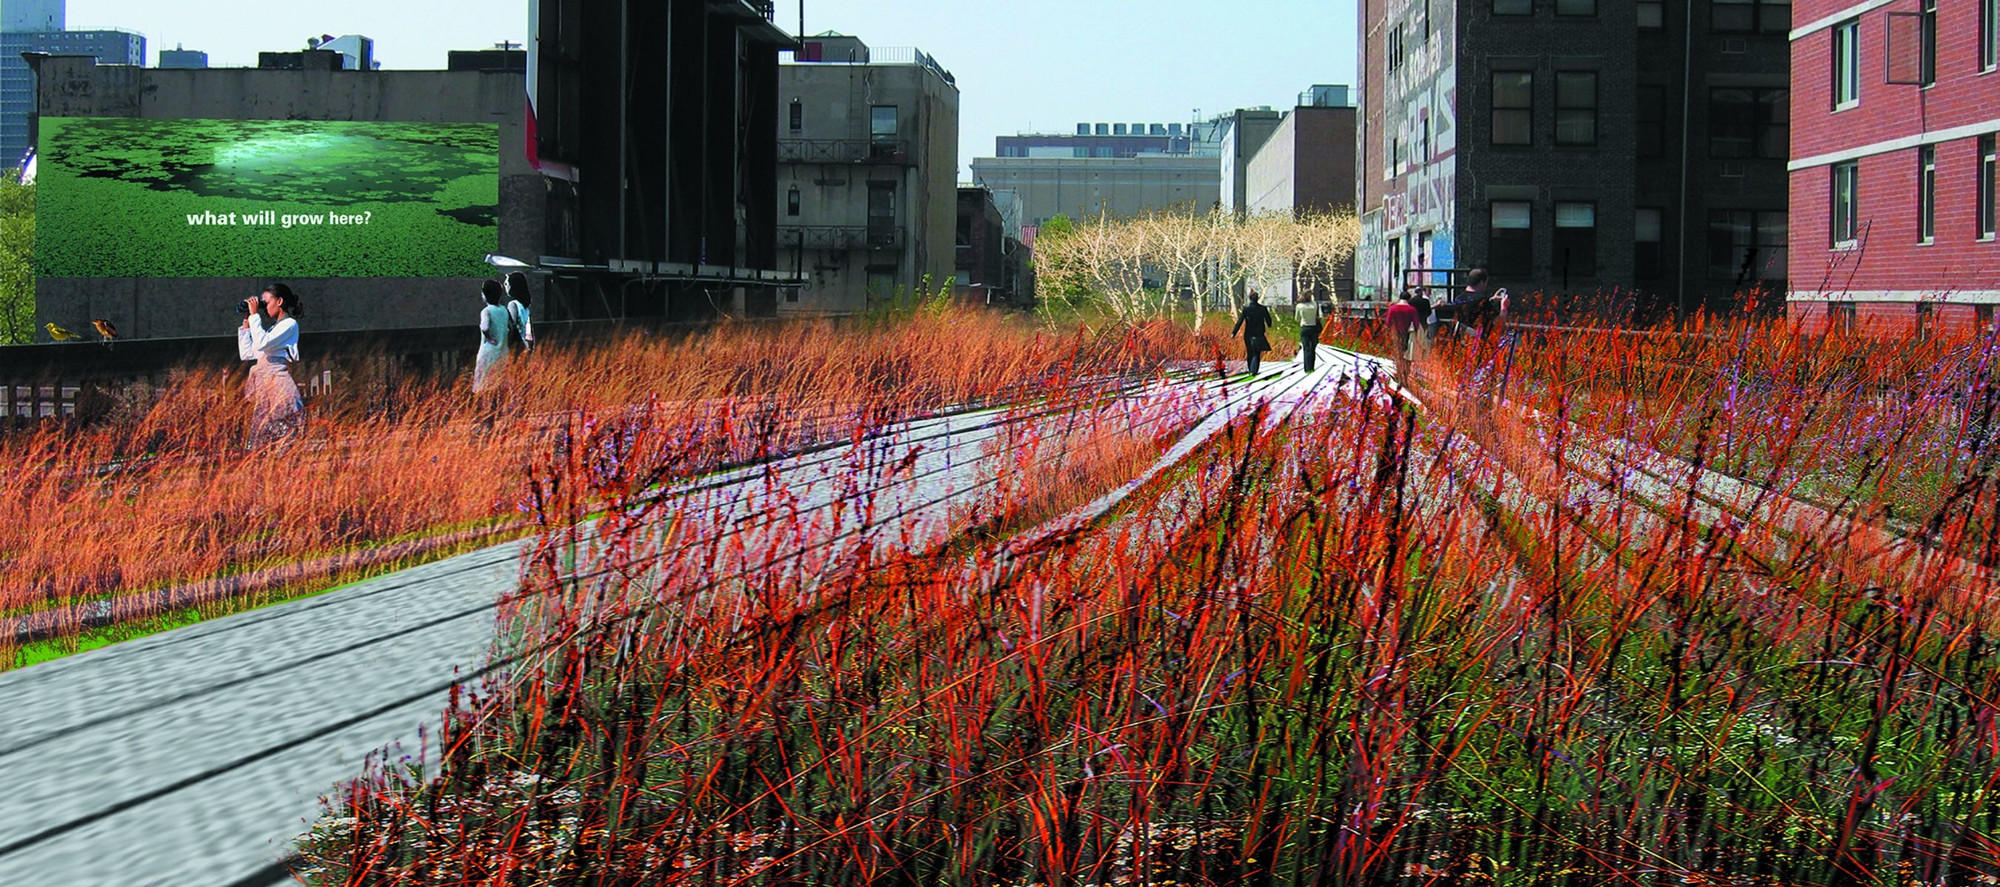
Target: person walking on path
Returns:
[[1403, 321], [517, 311], [493, 325], [275, 404], [1253, 322], [1309, 321], [1426, 315]]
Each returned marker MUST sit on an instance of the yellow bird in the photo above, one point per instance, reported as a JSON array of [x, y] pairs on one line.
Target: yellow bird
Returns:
[[59, 334]]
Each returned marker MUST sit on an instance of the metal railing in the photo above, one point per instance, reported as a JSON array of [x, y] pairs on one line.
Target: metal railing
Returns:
[[894, 151], [840, 237]]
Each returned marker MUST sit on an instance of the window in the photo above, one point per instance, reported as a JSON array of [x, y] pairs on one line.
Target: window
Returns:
[[1425, 157], [1747, 246], [1982, 318], [1510, 243], [1989, 34], [1513, 107], [882, 123], [1649, 247], [881, 206], [1744, 16], [1926, 193], [792, 201], [964, 230], [1576, 7], [1394, 50], [1847, 63], [1989, 179], [1840, 317], [1652, 119], [1927, 45], [1749, 123], [1576, 108], [1923, 324], [798, 116], [1513, 7], [1576, 240], [1846, 202], [1652, 15]]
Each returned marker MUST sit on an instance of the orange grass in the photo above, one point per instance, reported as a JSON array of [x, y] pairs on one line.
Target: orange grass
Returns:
[[162, 495]]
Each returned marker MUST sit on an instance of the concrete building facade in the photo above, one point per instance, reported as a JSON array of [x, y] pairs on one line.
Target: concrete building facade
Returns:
[[1895, 186], [1307, 167], [1617, 158], [1245, 131], [179, 58], [17, 81], [1089, 187], [867, 175]]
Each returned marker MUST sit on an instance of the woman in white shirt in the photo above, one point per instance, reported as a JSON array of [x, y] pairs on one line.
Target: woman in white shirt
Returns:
[[517, 308], [273, 334], [492, 337]]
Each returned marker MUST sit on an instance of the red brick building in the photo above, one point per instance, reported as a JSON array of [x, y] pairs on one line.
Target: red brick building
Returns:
[[1895, 109]]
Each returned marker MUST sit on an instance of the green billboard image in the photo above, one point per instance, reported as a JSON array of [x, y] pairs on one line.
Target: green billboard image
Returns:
[[124, 197]]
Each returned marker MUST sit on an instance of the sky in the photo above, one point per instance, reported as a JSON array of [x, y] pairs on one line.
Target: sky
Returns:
[[1021, 65]]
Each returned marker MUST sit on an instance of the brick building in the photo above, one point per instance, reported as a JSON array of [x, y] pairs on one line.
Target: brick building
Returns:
[[1895, 109], [1621, 156]]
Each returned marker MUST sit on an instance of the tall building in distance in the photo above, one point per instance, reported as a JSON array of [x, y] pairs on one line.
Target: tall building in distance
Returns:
[[1615, 156], [867, 173], [1114, 169], [1306, 167], [40, 26], [1895, 185], [1244, 133], [182, 59]]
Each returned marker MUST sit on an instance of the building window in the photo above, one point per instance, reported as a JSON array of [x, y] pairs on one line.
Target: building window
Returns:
[[792, 201], [1747, 246], [1425, 157], [1513, 107], [1923, 322], [1394, 50], [1982, 318], [1744, 16], [1927, 45], [1926, 193], [882, 123], [1989, 179], [1847, 64], [798, 116], [1846, 201], [1652, 15], [1513, 7], [1989, 34], [1510, 243], [1576, 7], [1576, 108], [1749, 123], [1840, 317], [1649, 243], [1576, 239], [1652, 119], [881, 207]]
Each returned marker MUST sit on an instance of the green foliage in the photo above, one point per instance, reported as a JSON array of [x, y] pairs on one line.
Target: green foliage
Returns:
[[17, 262], [121, 193]]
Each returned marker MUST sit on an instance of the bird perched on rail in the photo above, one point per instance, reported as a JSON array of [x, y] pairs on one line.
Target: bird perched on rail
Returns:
[[105, 331], [59, 334]]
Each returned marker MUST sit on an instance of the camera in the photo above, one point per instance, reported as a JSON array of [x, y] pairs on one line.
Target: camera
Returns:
[[243, 308]]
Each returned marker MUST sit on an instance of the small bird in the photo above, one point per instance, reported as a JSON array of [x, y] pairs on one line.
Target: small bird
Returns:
[[59, 334], [105, 331]]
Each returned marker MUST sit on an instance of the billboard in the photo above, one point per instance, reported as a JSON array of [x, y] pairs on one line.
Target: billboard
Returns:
[[126, 197]]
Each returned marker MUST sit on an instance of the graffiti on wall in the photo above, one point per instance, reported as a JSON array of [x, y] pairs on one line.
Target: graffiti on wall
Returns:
[[1415, 224]]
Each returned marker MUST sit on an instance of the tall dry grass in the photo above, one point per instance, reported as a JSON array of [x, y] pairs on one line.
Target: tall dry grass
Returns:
[[1377, 646], [161, 495]]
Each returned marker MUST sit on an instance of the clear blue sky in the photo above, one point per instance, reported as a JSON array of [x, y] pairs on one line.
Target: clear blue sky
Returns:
[[1021, 65]]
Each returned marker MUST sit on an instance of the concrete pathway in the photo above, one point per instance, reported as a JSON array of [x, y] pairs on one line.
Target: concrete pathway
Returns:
[[195, 757]]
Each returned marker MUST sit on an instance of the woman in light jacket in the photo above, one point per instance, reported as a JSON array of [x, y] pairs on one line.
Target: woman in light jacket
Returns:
[[272, 332], [492, 337]]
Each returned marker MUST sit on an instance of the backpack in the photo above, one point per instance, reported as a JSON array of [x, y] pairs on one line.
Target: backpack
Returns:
[[514, 340]]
